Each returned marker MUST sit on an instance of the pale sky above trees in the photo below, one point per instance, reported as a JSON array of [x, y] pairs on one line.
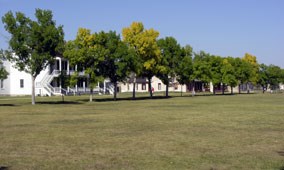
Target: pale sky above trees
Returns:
[[221, 27]]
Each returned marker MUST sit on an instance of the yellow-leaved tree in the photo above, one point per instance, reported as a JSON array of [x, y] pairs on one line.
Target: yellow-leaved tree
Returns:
[[148, 55], [253, 71]]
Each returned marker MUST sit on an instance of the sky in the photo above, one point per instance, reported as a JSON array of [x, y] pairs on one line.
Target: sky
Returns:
[[219, 27]]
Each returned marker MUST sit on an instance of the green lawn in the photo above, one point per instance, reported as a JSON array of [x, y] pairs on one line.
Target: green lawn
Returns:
[[202, 132]]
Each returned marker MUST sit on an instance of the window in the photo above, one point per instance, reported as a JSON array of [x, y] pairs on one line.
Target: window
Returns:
[[159, 86], [1, 84], [143, 86], [21, 83]]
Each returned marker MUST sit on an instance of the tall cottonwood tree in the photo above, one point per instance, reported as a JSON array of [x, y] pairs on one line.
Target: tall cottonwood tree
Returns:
[[269, 76], [86, 51], [144, 42], [201, 68], [33, 44], [228, 72], [184, 68], [3, 72], [118, 59], [215, 64], [243, 71], [252, 68], [170, 52]]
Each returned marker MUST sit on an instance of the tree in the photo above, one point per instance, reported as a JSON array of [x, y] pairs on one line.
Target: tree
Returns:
[[86, 51], [282, 76], [228, 71], [144, 42], [33, 44], [3, 73], [170, 51], [215, 63], [243, 71], [184, 68], [254, 69], [201, 68], [131, 37], [117, 61], [263, 77], [269, 76]]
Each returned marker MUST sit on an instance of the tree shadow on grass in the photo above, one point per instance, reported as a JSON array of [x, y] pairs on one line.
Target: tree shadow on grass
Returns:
[[11, 105], [125, 99], [281, 153], [58, 102], [4, 167]]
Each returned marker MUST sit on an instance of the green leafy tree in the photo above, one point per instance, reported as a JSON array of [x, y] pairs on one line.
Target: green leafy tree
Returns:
[[215, 64], [86, 51], [131, 36], [117, 61], [144, 42], [33, 44], [184, 68], [201, 68], [274, 75], [170, 52], [243, 71], [228, 71], [282, 76], [3, 73], [253, 69], [263, 77]]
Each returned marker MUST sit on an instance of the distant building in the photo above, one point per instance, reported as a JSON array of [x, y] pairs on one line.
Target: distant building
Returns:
[[47, 83]]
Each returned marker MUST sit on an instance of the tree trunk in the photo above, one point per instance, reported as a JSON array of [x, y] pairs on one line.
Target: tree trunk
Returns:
[[91, 95], [33, 90], [223, 89], [180, 90], [150, 87], [115, 91], [134, 88], [193, 89], [232, 90], [239, 89], [167, 90], [247, 88], [263, 89]]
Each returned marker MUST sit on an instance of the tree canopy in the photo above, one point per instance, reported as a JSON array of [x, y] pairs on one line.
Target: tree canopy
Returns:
[[33, 44], [86, 52], [144, 42], [270, 76], [117, 61], [184, 68], [3, 73], [228, 72], [170, 55]]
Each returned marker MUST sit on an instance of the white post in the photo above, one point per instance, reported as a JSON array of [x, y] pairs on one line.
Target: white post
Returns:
[[84, 86], [68, 68], [60, 64]]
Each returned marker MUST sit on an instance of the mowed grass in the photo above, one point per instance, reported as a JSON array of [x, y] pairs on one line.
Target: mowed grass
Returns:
[[202, 132]]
